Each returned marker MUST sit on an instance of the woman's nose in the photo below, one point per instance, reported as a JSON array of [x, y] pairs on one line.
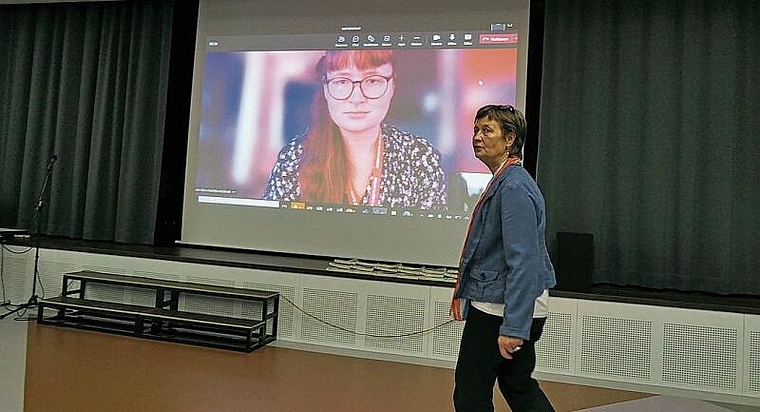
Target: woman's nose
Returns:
[[356, 94]]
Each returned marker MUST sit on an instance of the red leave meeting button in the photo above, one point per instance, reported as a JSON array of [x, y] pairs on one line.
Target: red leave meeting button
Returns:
[[498, 38]]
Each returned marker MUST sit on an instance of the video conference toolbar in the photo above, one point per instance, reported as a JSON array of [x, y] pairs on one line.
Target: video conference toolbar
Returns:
[[497, 35]]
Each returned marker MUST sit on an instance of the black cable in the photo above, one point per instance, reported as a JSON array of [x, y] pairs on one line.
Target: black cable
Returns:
[[21, 316], [18, 253], [10, 308], [403, 335], [39, 281]]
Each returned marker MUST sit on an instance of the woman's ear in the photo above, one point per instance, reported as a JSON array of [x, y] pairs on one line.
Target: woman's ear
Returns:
[[511, 136]]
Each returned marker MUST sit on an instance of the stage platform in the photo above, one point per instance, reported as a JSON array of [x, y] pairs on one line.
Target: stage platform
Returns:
[[316, 265]]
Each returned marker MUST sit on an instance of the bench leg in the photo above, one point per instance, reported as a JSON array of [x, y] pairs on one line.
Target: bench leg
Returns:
[[275, 312], [40, 312], [249, 340], [139, 325]]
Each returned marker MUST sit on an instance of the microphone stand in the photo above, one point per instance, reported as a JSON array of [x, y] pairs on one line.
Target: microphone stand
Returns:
[[34, 299]]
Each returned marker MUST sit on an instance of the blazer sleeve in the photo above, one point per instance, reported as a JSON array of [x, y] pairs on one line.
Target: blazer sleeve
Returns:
[[520, 233]]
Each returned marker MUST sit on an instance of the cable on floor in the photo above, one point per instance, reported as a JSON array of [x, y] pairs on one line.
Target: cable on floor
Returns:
[[403, 335]]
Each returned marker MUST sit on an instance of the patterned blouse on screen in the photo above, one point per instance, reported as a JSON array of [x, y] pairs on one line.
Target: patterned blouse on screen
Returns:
[[412, 176]]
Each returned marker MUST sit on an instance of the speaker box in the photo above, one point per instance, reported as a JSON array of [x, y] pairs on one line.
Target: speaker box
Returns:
[[575, 261]]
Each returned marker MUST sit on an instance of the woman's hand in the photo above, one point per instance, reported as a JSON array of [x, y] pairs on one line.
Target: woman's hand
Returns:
[[509, 345]]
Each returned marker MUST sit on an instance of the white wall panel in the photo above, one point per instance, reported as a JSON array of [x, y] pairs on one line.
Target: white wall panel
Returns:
[[334, 308], [555, 351], [615, 341], [392, 311], [17, 273], [702, 350], [445, 338], [752, 355], [288, 285], [50, 274]]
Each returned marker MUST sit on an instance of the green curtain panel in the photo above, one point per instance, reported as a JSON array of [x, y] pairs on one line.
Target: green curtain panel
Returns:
[[650, 139], [87, 83]]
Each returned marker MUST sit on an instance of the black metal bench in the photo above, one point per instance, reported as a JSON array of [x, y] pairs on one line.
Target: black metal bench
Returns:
[[164, 320]]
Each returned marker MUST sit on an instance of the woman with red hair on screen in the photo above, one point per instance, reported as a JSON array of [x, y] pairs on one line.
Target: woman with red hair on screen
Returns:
[[350, 155]]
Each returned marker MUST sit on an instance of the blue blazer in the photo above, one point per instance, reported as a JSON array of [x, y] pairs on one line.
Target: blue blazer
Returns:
[[505, 258]]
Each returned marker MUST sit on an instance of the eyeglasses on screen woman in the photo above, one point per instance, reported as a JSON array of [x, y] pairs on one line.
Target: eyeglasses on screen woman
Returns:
[[372, 87]]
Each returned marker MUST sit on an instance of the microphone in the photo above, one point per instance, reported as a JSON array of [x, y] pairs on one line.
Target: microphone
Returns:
[[48, 174], [51, 162]]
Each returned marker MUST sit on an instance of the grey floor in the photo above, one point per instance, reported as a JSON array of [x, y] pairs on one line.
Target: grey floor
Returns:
[[671, 404], [13, 336], [12, 364]]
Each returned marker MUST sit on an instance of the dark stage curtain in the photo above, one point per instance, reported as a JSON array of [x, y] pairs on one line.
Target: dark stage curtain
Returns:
[[650, 139], [86, 82]]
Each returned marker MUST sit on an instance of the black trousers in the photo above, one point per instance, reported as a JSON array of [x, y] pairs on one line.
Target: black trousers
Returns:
[[480, 364]]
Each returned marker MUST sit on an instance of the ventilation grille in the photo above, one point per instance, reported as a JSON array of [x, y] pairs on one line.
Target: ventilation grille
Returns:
[[96, 291], [335, 307], [699, 355], [286, 313], [140, 296], [145, 297], [211, 305], [104, 292], [446, 337], [616, 347], [16, 279], [753, 362], [51, 276], [553, 349], [387, 315]]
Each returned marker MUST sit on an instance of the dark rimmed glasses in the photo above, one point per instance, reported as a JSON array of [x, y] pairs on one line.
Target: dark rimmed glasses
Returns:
[[372, 87]]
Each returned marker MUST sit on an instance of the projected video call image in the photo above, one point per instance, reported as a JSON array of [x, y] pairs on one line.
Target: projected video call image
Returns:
[[379, 128]]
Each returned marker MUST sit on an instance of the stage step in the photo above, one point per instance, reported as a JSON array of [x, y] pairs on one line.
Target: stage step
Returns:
[[164, 321]]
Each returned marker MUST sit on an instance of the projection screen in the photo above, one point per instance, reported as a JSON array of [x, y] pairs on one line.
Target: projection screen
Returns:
[[270, 132]]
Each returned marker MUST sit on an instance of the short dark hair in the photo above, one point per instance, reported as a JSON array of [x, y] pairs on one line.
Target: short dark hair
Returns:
[[510, 119]]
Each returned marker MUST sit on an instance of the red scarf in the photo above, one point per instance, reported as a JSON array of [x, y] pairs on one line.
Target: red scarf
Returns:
[[456, 303]]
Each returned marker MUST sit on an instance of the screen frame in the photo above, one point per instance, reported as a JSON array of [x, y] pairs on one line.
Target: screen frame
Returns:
[[416, 234]]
